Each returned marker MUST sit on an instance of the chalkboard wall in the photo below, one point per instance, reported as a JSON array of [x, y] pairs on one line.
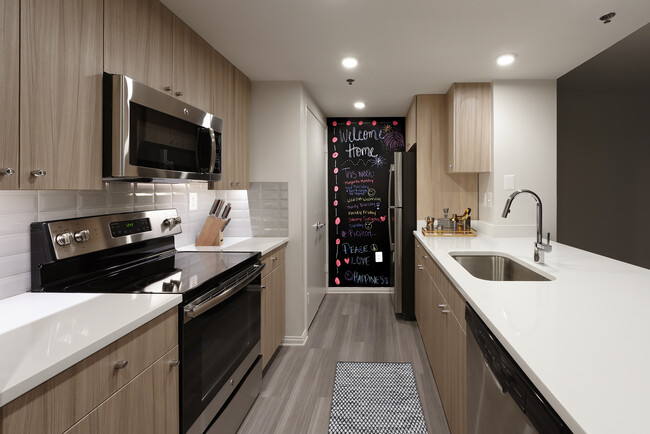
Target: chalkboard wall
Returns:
[[360, 155]]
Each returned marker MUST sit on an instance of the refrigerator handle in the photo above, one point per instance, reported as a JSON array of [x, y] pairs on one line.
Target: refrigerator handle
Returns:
[[391, 221], [391, 174]]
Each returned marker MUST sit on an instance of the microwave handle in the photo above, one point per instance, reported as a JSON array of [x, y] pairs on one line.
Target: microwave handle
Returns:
[[192, 311], [213, 155]]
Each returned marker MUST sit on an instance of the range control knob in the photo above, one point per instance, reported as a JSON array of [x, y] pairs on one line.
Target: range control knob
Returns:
[[172, 221], [64, 239], [82, 236]]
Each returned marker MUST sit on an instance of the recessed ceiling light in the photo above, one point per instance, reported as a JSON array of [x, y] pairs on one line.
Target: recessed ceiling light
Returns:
[[359, 105], [506, 59], [350, 62]]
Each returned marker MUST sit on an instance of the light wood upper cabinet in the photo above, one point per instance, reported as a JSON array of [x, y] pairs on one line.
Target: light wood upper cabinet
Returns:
[[469, 143], [61, 94], [411, 124], [231, 103], [436, 188], [240, 157], [191, 67], [9, 93], [138, 37], [145, 41]]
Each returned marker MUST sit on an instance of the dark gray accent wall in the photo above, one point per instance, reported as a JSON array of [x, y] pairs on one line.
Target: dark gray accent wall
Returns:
[[603, 151]]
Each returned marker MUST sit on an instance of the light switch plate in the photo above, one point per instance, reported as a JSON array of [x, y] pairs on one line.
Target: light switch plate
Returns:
[[509, 182], [194, 201], [379, 257]]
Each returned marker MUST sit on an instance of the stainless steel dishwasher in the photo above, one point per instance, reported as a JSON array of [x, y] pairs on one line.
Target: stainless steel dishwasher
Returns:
[[500, 397]]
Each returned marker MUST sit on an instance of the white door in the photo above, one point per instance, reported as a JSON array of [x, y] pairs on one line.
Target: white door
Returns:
[[316, 203]]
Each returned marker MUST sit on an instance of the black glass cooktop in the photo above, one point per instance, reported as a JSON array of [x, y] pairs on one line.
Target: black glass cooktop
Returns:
[[171, 273]]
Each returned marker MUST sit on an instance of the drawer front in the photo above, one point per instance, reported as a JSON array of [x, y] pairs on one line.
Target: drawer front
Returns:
[[453, 298], [273, 260], [57, 404], [139, 349], [147, 404]]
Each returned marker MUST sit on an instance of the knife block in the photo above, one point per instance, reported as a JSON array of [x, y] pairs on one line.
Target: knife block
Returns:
[[212, 232]]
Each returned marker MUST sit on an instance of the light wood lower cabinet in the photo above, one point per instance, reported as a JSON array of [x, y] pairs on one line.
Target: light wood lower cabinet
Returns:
[[56, 405], [438, 309], [148, 404], [273, 303]]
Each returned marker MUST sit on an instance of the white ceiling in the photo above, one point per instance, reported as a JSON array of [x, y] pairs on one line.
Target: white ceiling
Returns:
[[405, 47]]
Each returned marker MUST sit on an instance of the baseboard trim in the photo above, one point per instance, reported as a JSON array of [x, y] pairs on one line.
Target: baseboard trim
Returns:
[[295, 341], [361, 290]]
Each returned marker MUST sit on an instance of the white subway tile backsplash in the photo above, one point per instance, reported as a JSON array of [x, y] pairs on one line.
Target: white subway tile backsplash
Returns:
[[14, 244], [57, 215], [18, 202], [16, 223], [162, 188], [237, 195], [14, 264], [16, 284], [144, 187], [120, 200], [119, 187], [55, 200], [91, 212], [269, 209], [143, 199], [90, 199]]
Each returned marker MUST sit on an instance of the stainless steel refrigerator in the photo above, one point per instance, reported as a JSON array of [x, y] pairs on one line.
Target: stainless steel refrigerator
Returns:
[[402, 222]]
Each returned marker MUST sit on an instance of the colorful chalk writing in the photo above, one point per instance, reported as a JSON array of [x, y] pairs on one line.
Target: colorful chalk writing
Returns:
[[360, 154]]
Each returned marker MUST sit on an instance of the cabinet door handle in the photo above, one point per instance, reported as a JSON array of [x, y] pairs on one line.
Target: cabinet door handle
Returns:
[[6, 171], [445, 311], [39, 172], [263, 286], [441, 306], [420, 267], [168, 88], [425, 257], [179, 93], [174, 362], [121, 364]]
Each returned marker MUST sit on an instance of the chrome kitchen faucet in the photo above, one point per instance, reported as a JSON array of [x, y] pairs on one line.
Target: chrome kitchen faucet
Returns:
[[540, 246]]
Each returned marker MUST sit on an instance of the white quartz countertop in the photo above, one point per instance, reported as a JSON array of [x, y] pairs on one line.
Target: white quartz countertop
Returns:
[[583, 338], [241, 244], [42, 334]]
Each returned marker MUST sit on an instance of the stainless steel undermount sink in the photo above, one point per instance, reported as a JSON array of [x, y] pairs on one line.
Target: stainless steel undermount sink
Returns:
[[497, 267]]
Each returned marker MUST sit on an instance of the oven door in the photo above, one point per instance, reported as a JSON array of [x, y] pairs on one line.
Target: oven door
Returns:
[[220, 341]]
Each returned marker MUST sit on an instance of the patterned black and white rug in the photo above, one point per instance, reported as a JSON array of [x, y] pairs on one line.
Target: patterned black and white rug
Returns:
[[375, 398]]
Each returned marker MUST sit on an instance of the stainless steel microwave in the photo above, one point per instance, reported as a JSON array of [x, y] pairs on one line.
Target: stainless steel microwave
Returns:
[[151, 136]]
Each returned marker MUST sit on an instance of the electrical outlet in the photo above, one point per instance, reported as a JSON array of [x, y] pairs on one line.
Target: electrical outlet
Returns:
[[379, 257], [194, 201], [487, 199], [509, 182]]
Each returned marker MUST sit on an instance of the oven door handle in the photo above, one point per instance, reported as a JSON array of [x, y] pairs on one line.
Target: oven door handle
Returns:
[[192, 311]]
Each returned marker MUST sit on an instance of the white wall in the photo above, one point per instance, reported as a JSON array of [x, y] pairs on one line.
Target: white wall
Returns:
[[524, 145], [278, 145]]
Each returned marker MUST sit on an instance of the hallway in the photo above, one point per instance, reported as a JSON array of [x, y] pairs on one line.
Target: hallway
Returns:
[[297, 390]]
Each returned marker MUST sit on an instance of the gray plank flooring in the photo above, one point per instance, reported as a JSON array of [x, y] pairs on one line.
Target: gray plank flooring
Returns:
[[297, 389]]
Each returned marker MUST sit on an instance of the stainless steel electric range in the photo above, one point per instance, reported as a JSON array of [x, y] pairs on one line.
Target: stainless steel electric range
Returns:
[[219, 317]]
